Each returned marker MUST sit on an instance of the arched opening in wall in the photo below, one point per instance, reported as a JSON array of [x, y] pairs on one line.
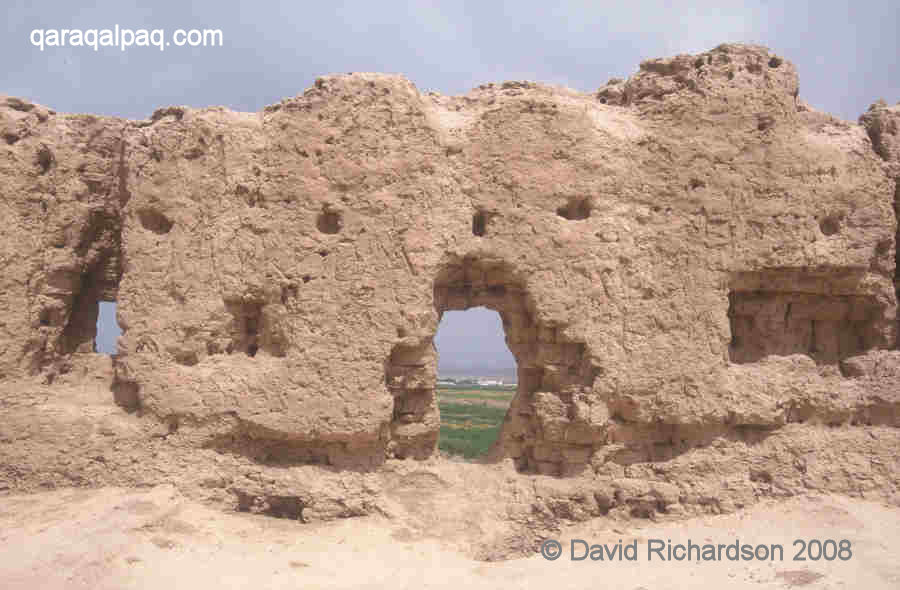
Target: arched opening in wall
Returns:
[[551, 426], [108, 331], [476, 381]]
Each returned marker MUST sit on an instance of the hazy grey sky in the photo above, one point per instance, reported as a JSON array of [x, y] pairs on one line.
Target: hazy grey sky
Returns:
[[472, 342], [846, 52], [107, 328]]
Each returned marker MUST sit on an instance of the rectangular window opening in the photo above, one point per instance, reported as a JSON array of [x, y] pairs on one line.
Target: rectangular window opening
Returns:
[[108, 331]]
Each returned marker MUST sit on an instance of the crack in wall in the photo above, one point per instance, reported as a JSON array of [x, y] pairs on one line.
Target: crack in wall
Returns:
[[897, 252], [100, 248], [254, 328]]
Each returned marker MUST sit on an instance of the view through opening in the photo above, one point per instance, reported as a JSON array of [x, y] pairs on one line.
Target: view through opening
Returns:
[[108, 331], [476, 380]]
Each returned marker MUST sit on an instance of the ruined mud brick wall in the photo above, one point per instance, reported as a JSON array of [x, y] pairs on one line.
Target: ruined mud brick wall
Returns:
[[687, 254], [883, 126]]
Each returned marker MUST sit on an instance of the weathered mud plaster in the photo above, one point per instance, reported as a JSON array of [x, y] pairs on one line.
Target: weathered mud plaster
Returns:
[[689, 258], [883, 126]]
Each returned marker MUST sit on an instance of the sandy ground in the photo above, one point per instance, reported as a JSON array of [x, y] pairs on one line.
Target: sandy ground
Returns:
[[117, 538]]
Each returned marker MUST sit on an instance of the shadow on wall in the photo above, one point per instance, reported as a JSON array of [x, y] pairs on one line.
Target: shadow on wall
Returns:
[[827, 328]]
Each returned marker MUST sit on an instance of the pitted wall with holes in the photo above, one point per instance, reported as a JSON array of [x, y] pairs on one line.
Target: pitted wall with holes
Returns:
[[687, 256]]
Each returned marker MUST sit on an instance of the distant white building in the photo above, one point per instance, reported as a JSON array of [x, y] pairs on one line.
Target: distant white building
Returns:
[[478, 381]]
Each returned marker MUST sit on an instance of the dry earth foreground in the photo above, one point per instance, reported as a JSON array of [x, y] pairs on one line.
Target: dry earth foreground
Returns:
[[696, 273]]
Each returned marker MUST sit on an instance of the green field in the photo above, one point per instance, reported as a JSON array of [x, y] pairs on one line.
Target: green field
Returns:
[[471, 418]]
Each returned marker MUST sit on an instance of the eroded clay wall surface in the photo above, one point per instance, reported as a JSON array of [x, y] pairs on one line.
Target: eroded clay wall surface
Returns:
[[690, 254]]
